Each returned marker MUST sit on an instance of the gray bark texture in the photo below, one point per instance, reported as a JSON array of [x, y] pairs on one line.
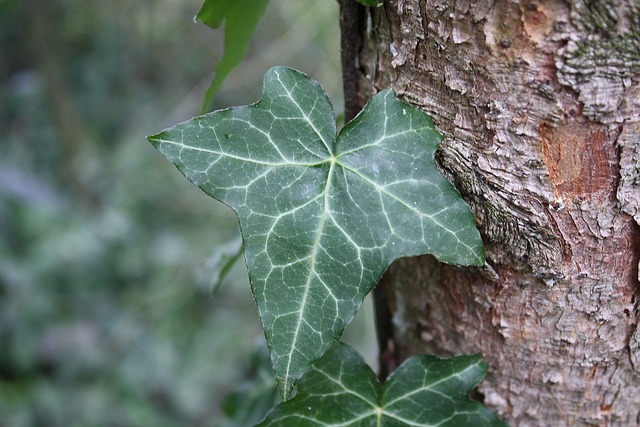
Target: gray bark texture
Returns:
[[539, 103]]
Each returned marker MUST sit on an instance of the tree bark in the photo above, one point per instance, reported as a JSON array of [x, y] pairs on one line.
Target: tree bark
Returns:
[[539, 104]]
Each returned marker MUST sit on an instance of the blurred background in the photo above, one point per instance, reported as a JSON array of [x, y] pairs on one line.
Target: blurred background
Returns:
[[107, 315]]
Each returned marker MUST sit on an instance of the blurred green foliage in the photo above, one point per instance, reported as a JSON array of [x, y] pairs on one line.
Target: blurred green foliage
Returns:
[[106, 311]]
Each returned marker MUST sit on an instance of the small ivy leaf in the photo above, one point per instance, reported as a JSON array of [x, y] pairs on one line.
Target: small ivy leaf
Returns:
[[372, 3], [220, 262], [341, 390], [253, 398], [241, 19], [322, 217]]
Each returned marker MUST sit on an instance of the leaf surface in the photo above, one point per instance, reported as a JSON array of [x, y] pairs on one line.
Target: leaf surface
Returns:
[[322, 217], [372, 3], [241, 19], [341, 390]]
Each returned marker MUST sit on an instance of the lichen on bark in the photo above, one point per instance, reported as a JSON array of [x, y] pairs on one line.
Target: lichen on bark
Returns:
[[601, 59]]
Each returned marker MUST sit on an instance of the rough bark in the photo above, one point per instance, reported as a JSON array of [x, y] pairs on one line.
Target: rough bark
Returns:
[[540, 107]]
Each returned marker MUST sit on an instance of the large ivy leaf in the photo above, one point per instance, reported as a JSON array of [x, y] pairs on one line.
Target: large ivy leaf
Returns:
[[322, 216], [241, 19], [341, 390]]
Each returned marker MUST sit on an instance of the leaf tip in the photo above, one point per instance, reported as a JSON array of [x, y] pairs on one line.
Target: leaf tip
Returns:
[[285, 386], [479, 257], [155, 139], [477, 359], [276, 71]]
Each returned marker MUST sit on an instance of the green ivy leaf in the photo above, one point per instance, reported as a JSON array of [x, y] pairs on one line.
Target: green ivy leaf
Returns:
[[241, 19], [322, 217], [371, 3], [221, 261], [253, 398], [341, 390]]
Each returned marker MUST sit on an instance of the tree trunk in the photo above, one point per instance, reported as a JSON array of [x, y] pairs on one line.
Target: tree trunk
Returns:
[[540, 107]]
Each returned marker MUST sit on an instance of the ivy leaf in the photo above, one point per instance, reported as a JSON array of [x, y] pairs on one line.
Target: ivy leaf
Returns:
[[322, 217], [241, 19], [221, 261], [372, 3], [253, 398], [341, 390]]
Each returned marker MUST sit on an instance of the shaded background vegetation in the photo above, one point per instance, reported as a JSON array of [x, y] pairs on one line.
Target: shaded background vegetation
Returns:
[[106, 312]]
